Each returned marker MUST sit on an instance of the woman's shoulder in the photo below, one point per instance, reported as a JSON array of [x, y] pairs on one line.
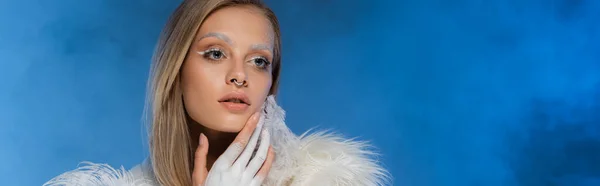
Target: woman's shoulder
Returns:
[[327, 158], [89, 173]]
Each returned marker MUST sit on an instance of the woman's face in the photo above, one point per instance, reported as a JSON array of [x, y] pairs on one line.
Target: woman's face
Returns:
[[226, 75]]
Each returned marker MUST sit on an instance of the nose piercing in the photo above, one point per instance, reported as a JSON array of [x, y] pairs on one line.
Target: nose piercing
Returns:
[[235, 81]]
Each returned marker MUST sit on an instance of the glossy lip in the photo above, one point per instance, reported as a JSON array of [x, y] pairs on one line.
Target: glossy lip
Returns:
[[236, 95], [235, 107]]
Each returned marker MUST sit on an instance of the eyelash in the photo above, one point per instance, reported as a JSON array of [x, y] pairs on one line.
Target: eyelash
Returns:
[[266, 61], [207, 54]]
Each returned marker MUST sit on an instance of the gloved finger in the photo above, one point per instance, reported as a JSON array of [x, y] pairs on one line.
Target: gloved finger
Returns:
[[264, 170], [233, 151], [261, 155], [199, 172], [242, 161]]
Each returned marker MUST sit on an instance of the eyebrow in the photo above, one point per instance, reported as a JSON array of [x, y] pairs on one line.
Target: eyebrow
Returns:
[[261, 47], [230, 42], [218, 36]]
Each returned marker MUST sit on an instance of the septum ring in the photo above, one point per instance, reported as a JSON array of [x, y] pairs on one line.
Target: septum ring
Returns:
[[239, 84]]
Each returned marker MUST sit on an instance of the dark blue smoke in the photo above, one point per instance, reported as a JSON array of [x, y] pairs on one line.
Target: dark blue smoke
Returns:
[[461, 92]]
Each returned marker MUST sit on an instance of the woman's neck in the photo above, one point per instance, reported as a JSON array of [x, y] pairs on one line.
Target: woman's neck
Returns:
[[218, 141]]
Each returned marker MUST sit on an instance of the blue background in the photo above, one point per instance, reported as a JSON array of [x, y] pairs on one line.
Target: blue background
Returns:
[[453, 93]]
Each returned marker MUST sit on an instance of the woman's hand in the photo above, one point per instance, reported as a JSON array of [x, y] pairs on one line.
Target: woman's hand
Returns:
[[234, 166]]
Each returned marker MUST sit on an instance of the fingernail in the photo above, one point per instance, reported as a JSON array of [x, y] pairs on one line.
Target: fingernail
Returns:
[[200, 140]]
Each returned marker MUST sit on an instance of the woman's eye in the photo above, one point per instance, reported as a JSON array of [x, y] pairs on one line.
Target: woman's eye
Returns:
[[213, 54], [261, 62]]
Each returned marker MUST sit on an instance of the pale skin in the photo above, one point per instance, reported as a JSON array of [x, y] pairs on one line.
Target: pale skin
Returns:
[[232, 43]]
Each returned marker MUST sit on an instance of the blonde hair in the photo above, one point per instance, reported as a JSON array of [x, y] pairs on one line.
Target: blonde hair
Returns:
[[170, 150]]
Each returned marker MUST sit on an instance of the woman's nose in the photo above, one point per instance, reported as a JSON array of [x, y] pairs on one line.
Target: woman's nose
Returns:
[[237, 76]]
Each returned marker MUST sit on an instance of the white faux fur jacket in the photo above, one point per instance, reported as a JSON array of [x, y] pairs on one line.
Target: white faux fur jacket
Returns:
[[313, 159]]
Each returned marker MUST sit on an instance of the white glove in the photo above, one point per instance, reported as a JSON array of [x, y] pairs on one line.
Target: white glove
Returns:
[[234, 167]]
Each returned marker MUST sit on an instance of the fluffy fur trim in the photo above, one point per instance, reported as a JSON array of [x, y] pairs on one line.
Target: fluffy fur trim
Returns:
[[324, 158], [98, 174]]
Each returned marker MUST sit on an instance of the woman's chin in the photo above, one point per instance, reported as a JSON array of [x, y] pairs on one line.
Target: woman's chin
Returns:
[[231, 125], [229, 129]]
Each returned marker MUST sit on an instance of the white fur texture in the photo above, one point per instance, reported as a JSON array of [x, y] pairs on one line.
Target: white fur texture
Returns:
[[320, 158], [99, 174]]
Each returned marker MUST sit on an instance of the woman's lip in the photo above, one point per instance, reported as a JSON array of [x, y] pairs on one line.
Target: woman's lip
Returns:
[[235, 107], [236, 95]]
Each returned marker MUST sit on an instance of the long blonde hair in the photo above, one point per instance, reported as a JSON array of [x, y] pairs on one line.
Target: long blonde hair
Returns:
[[171, 152]]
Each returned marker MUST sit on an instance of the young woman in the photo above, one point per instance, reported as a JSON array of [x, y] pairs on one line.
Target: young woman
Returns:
[[214, 119]]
